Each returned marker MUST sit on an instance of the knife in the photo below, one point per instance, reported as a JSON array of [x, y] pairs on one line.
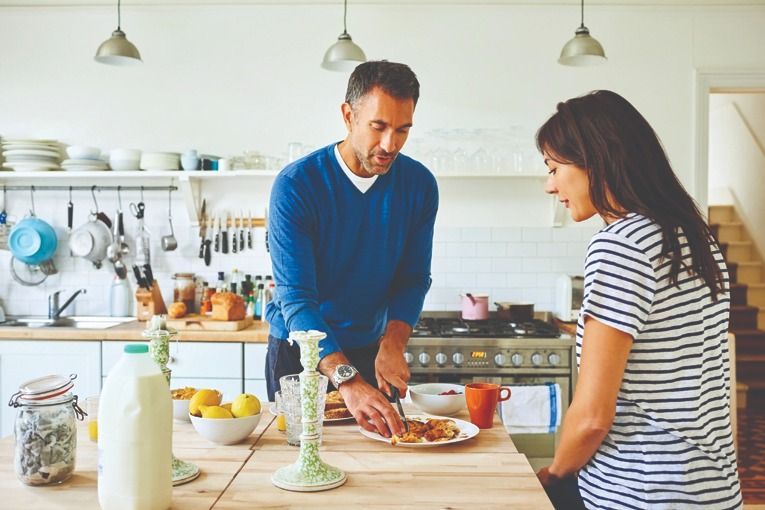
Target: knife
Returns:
[[208, 249], [139, 278], [202, 229], [224, 235], [249, 229], [216, 227], [234, 244], [241, 230], [149, 275], [394, 394]]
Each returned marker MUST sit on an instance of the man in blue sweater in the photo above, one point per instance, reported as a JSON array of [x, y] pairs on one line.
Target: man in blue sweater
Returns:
[[351, 238]]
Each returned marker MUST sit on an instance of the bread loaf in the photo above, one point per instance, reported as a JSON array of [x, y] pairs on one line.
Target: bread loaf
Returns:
[[177, 310], [227, 306]]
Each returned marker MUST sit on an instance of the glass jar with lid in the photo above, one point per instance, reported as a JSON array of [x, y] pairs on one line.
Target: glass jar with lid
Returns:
[[185, 290], [45, 430]]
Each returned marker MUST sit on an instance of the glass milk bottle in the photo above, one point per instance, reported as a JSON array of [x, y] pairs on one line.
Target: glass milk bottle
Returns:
[[135, 435]]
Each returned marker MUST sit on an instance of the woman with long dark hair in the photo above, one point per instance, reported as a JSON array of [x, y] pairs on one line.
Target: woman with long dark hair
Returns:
[[649, 425]]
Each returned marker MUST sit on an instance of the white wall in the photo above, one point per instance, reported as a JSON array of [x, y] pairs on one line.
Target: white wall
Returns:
[[736, 157], [228, 78]]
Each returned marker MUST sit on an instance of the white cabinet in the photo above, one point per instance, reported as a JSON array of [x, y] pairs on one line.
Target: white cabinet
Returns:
[[216, 365], [23, 360], [255, 370]]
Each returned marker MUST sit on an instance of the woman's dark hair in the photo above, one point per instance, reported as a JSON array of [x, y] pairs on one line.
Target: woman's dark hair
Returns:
[[395, 79], [628, 171]]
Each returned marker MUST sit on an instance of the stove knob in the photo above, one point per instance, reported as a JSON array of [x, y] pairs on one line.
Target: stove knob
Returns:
[[500, 359], [536, 359], [517, 359], [424, 358], [441, 359], [554, 358], [458, 358], [409, 357]]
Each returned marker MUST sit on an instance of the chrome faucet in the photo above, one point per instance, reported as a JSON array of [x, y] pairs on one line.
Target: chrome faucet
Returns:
[[54, 311]]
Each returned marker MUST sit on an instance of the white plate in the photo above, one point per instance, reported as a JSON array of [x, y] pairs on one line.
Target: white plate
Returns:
[[83, 168], [84, 162], [31, 166], [32, 152], [467, 431]]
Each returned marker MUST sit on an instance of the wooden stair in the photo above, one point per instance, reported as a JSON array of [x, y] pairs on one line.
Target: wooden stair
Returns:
[[747, 312]]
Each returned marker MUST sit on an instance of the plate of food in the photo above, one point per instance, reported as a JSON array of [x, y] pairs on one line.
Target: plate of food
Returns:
[[426, 431], [335, 410]]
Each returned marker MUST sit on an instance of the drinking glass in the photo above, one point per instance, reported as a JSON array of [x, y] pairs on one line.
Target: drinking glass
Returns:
[[292, 406]]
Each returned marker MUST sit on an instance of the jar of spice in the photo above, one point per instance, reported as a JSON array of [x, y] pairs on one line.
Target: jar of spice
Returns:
[[45, 430], [185, 290]]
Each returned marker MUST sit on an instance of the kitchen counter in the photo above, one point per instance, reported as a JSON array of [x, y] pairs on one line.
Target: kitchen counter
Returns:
[[131, 331], [485, 472]]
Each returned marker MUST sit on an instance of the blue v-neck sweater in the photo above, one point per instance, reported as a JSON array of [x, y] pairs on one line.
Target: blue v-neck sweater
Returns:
[[347, 262]]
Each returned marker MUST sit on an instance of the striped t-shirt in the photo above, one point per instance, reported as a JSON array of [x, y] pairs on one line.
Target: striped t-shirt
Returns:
[[670, 445]]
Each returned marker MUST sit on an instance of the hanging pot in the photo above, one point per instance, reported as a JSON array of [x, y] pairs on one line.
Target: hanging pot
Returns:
[[475, 307], [515, 312]]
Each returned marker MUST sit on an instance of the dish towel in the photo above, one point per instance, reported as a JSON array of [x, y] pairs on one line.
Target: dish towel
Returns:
[[532, 409]]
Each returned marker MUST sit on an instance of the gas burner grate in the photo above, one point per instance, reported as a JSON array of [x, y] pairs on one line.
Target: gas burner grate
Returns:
[[490, 328]]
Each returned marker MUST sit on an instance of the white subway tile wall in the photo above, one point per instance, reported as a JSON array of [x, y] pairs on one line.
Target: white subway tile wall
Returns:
[[509, 264]]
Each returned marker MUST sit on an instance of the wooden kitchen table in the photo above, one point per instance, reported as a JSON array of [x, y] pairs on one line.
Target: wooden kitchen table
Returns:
[[219, 465], [484, 472]]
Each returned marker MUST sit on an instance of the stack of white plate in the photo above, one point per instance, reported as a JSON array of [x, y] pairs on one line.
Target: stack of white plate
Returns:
[[29, 155], [160, 161], [83, 159]]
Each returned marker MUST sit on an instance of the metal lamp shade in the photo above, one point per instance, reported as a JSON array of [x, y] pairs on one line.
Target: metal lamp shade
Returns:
[[582, 50], [117, 50], [344, 55]]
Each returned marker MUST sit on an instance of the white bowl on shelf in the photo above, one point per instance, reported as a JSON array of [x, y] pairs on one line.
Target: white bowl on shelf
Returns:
[[83, 152], [428, 398], [225, 430], [124, 164]]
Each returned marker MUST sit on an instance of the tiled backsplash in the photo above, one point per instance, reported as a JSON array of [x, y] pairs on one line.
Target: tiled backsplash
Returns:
[[510, 264]]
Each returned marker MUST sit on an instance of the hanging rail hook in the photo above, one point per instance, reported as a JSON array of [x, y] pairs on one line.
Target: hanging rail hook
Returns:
[[70, 193], [169, 202], [32, 196], [141, 193], [119, 197], [93, 194]]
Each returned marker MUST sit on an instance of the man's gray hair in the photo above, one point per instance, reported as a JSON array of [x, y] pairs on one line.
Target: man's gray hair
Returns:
[[395, 79]]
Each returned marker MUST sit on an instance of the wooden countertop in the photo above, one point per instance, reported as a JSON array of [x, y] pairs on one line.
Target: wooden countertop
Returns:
[[257, 333], [485, 472]]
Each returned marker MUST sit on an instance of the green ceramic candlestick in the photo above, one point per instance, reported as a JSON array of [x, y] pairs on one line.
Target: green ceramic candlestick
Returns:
[[159, 336], [309, 473]]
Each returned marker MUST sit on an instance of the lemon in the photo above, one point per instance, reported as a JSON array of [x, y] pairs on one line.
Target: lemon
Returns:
[[214, 412], [226, 406], [204, 397], [245, 405]]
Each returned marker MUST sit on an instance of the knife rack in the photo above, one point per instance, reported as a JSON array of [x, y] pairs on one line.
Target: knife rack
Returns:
[[234, 222], [149, 302]]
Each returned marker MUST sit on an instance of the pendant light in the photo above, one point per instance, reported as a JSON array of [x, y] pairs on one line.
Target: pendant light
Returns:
[[582, 50], [117, 50], [344, 55]]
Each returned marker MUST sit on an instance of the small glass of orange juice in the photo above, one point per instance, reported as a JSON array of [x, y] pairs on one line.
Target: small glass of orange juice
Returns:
[[91, 407]]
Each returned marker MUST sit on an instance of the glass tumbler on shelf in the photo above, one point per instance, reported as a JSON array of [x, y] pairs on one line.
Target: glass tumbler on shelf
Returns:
[[292, 406]]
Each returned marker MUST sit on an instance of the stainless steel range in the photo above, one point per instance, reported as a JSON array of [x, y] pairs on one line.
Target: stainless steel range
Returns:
[[444, 348]]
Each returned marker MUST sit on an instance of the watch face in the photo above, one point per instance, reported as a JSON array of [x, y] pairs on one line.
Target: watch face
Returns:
[[344, 371]]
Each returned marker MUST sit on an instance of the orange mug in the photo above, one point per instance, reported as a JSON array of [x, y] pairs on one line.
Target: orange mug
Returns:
[[482, 400]]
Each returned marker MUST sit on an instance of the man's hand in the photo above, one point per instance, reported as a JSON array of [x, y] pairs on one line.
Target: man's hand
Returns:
[[370, 408], [390, 366]]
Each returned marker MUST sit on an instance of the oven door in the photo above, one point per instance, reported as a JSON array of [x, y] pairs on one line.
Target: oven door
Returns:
[[538, 448]]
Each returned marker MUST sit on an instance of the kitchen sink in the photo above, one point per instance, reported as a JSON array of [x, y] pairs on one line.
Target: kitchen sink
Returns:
[[74, 321]]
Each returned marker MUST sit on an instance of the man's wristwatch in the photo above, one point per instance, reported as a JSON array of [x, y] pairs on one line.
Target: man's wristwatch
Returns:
[[342, 374]]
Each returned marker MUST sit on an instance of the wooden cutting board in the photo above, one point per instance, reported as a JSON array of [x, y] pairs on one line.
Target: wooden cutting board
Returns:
[[198, 322]]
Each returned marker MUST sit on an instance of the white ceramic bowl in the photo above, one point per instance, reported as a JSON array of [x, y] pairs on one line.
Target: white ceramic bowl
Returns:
[[426, 397], [129, 154], [124, 164], [225, 430], [82, 152], [181, 409]]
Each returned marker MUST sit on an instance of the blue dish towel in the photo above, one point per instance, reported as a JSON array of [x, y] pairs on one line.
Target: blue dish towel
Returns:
[[532, 409]]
